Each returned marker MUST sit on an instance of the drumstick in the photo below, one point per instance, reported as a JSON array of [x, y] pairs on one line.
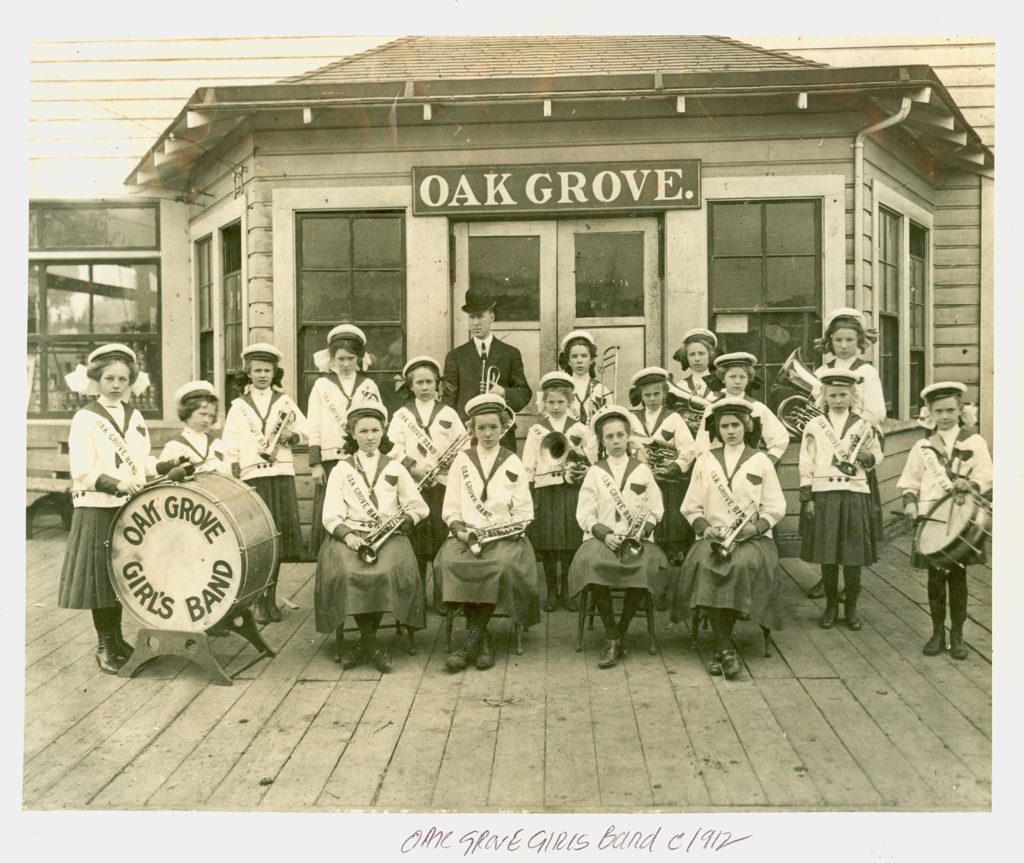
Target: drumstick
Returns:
[[919, 517]]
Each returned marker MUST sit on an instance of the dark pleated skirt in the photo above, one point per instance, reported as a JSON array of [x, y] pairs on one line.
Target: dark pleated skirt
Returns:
[[84, 577], [749, 582], [840, 532], [504, 575], [316, 530], [673, 531], [278, 493], [554, 527], [595, 563], [345, 585], [429, 535]]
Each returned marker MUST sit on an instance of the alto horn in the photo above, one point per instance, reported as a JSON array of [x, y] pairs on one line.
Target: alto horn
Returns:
[[795, 411]]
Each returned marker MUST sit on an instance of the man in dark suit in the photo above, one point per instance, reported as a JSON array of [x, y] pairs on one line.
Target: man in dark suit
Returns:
[[466, 365]]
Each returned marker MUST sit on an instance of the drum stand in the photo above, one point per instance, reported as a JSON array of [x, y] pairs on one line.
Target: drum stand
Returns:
[[195, 647]]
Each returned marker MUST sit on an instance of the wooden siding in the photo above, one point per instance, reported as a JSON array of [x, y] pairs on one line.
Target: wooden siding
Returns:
[[965, 64]]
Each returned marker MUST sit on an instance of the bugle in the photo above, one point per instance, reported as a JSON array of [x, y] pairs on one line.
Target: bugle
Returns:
[[849, 468]]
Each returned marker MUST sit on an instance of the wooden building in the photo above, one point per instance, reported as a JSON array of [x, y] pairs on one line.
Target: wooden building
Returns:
[[633, 186]]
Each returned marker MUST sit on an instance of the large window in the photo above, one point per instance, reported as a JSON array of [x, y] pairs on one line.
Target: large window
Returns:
[[765, 276], [231, 296], [77, 303], [918, 304], [888, 298], [204, 291], [351, 268]]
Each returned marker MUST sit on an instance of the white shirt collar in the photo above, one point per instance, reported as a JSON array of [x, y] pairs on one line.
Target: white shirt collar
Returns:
[[949, 437], [423, 409], [367, 461], [838, 420], [111, 404], [732, 453], [261, 395], [485, 342], [844, 364]]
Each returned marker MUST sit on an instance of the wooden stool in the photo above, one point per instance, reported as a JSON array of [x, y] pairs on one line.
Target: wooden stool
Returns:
[[588, 609], [699, 616], [452, 608]]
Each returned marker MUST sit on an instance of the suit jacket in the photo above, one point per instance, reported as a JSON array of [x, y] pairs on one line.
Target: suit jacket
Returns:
[[462, 371]]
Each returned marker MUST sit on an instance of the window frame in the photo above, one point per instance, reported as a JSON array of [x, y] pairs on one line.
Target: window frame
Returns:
[[39, 206], [885, 198], [207, 243]]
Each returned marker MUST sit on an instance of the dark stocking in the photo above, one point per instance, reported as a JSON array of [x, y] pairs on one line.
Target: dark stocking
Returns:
[[630, 604], [603, 604]]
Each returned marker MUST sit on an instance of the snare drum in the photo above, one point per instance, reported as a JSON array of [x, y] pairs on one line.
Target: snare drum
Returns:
[[182, 556], [954, 534]]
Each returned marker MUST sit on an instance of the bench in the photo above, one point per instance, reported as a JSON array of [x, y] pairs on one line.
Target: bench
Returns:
[[47, 484]]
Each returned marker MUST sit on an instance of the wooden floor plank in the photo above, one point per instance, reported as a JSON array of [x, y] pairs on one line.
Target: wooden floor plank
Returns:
[[830, 766], [310, 764], [874, 753]]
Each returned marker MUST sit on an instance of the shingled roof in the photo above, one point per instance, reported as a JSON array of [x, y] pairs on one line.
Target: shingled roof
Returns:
[[441, 57]]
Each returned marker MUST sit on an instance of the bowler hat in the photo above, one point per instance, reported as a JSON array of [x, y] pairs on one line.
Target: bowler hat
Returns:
[[478, 301]]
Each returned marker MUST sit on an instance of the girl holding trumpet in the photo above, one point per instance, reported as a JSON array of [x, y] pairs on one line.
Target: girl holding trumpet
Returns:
[[555, 533], [951, 460], [487, 565], [668, 449], [733, 502], [578, 357], [427, 435], [619, 506], [837, 449], [261, 428], [341, 383], [370, 498]]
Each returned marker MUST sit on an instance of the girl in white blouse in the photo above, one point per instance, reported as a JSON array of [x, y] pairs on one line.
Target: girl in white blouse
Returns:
[[367, 489], [203, 450], [577, 357], [734, 493], [487, 489]]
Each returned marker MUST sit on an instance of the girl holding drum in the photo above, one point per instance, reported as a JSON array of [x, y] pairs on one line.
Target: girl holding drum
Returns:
[[203, 450], [261, 428], [426, 431], [342, 382], [951, 461], [487, 564], [733, 502], [371, 500], [109, 453], [577, 357], [619, 503]]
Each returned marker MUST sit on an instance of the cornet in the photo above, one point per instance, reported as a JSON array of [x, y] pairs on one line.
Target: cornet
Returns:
[[373, 541], [849, 468], [282, 427], [632, 545], [723, 550], [480, 536]]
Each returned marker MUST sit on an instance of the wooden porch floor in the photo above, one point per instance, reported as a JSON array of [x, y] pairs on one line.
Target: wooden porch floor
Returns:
[[833, 720]]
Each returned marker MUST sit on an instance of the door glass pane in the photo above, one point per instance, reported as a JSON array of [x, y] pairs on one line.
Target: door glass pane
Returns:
[[792, 281], [737, 283], [507, 268], [790, 228], [736, 229], [325, 296], [377, 296], [609, 274], [325, 242], [377, 242]]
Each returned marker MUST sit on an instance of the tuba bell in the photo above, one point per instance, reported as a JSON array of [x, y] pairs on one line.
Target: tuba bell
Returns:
[[795, 411]]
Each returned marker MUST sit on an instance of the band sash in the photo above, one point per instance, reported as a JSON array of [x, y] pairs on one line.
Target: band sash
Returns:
[[608, 482], [841, 452], [467, 484], [722, 487], [118, 442], [405, 415], [360, 495]]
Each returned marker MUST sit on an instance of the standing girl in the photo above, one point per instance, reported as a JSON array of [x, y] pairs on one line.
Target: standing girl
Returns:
[[487, 490], [109, 453], [577, 357], [697, 382], [736, 372], [836, 450], [262, 426], [845, 337], [366, 490], [668, 448], [427, 435], [203, 450], [341, 382], [618, 499], [555, 480]]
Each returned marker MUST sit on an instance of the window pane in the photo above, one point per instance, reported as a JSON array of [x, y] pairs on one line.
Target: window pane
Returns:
[[377, 242], [33, 298], [377, 296], [507, 268], [33, 228], [790, 228], [325, 296], [34, 374], [99, 227], [124, 298], [231, 249], [386, 345], [736, 229], [325, 242], [206, 371], [918, 241], [736, 283], [67, 299], [609, 275], [792, 281]]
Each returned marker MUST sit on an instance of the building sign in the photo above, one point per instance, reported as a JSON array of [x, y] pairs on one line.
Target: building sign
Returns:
[[556, 188]]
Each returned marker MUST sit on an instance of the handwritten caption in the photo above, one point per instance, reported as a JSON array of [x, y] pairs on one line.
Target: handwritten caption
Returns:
[[473, 842]]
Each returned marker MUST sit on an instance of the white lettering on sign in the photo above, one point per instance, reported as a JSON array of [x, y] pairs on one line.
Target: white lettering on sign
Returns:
[[531, 188], [572, 183], [614, 186], [464, 194], [664, 183], [442, 190], [496, 188], [634, 188]]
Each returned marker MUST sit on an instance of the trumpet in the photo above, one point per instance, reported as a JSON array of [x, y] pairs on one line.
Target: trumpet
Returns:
[[282, 426], [488, 378], [373, 541], [632, 545], [481, 536], [609, 360], [723, 550], [797, 410], [849, 468], [444, 461], [570, 462]]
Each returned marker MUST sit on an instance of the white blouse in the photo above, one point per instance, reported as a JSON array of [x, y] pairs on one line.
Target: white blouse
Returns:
[[668, 428], [926, 474], [347, 501], [203, 451], [97, 446], [328, 410], [715, 493], [503, 498], [420, 439], [250, 423], [633, 481], [577, 433], [818, 453]]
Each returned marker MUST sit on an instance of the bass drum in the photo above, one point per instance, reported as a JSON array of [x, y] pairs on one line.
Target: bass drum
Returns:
[[183, 556], [954, 533]]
